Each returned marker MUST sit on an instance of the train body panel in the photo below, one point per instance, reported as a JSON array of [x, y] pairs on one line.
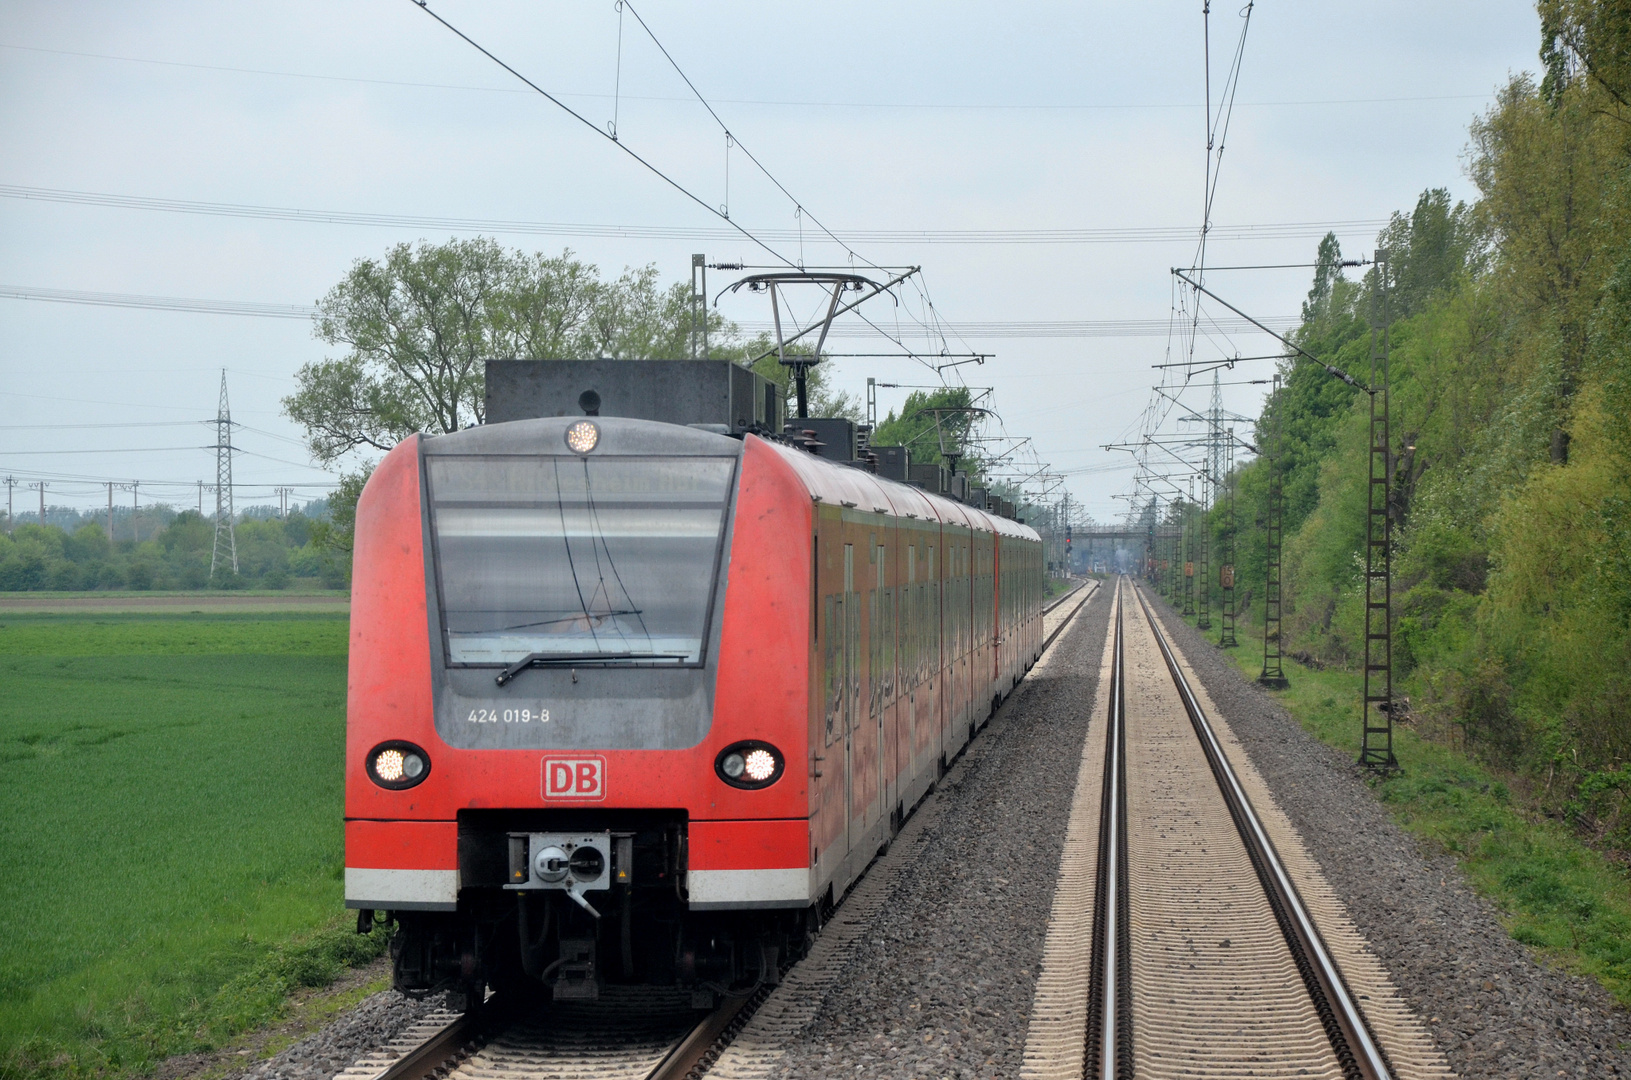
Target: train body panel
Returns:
[[575, 649]]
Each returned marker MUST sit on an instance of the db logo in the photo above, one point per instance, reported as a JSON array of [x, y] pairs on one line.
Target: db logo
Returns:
[[575, 778]]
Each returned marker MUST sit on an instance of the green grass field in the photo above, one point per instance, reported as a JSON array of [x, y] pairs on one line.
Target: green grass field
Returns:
[[1556, 894], [170, 831]]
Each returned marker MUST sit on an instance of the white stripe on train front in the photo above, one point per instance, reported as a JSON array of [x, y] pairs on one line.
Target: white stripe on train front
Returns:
[[722, 890], [402, 890]]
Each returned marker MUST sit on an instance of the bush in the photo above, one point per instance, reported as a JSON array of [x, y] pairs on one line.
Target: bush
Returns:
[[176, 554], [63, 577]]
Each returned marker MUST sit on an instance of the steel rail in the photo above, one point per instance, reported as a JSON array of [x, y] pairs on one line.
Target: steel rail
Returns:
[[1109, 1049], [1088, 590], [1356, 1049], [1051, 604], [689, 1052], [461, 1037], [435, 1052]]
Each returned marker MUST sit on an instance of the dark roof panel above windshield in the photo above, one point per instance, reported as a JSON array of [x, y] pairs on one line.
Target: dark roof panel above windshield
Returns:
[[618, 435]]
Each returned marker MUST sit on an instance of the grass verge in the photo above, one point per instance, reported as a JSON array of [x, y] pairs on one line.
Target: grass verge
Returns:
[[1555, 893], [170, 832]]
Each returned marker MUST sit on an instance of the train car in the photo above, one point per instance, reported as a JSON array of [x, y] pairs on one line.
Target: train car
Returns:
[[631, 701]]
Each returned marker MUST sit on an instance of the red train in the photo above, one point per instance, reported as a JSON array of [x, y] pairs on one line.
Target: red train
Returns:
[[632, 701]]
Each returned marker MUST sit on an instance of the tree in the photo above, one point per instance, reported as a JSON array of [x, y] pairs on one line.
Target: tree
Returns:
[[1327, 269], [1428, 250], [1589, 35], [824, 400], [924, 427], [420, 324]]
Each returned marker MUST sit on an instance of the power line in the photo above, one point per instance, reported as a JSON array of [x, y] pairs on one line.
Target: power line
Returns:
[[99, 481], [159, 303], [110, 450], [1076, 328], [729, 136], [127, 424], [986, 328], [906, 105], [1147, 234], [424, 6]]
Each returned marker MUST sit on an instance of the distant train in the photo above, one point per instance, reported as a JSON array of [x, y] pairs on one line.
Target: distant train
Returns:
[[632, 701]]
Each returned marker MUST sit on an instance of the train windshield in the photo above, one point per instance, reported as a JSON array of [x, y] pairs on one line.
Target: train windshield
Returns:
[[612, 559]]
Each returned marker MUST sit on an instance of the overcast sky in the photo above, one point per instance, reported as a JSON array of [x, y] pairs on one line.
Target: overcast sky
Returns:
[[909, 116]]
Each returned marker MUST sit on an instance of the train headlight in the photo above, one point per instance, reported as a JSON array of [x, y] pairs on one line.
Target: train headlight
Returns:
[[397, 765], [761, 765], [583, 436], [750, 765]]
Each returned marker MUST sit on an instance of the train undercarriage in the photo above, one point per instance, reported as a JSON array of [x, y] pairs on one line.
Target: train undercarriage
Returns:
[[563, 903]]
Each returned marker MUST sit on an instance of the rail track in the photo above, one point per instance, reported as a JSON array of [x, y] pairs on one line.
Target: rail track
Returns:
[[632, 1033], [1202, 958], [629, 1034]]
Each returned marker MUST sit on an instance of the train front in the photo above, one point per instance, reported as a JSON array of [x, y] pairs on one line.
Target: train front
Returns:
[[578, 708]]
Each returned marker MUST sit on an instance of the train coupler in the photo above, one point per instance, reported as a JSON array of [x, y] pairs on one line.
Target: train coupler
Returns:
[[576, 978]]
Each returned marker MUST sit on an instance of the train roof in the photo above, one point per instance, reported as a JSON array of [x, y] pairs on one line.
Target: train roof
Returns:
[[826, 481], [830, 482]]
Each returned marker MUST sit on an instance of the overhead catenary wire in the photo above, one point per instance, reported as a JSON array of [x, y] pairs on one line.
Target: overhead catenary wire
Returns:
[[1144, 234], [976, 328], [925, 105], [1188, 320], [731, 140], [424, 6]]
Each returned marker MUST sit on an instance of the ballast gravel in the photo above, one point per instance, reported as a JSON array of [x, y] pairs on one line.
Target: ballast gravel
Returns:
[[1495, 1009], [375, 1021], [946, 986]]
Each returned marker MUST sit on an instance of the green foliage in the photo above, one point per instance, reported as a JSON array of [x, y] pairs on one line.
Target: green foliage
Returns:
[[170, 832], [1553, 891], [823, 400], [272, 554], [931, 436], [1510, 411], [419, 325]]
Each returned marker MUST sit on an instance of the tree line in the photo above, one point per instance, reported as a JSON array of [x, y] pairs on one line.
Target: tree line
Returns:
[[1510, 325], [273, 553]]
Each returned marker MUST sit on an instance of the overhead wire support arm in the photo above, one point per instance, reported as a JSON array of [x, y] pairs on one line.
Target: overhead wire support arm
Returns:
[[1331, 369], [1228, 362]]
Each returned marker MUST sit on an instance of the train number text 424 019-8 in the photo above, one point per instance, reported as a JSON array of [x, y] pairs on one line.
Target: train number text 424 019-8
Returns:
[[508, 716]]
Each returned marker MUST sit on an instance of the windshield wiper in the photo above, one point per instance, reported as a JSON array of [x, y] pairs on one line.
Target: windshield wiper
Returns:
[[560, 659]]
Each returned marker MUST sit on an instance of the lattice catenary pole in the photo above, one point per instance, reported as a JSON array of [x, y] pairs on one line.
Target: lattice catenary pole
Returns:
[[1376, 750], [1272, 673], [1226, 572]]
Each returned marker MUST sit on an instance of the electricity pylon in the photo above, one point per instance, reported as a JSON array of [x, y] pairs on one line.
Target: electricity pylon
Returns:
[[227, 551]]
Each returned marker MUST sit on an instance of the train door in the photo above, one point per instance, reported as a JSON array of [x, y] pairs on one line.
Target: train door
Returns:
[[851, 683], [911, 662], [933, 659], [876, 712]]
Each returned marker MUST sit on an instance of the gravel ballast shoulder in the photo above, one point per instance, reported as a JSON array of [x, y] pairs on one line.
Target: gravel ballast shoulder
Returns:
[[1493, 1008], [944, 980], [946, 985], [375, 1021]]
